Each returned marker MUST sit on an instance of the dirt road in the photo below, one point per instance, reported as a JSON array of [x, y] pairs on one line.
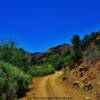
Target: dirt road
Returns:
[[50, 88]]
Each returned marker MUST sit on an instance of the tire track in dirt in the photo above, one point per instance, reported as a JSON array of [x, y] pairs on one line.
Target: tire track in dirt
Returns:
[[50, 88]]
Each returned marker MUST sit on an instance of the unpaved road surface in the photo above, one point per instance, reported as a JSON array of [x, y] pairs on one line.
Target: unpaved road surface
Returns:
[[50, 88]]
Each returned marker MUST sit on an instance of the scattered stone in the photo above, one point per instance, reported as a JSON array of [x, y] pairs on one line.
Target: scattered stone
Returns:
[[76, 84], [88, 86], [64, 78]]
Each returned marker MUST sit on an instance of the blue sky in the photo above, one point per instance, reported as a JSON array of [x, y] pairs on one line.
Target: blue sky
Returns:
[[37, 25]]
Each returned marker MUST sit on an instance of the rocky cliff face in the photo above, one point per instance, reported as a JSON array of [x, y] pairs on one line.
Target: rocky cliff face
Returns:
[[86, 77]]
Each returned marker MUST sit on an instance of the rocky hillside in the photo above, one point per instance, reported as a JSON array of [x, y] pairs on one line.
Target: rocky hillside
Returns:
[[86, 76], [61, 49]]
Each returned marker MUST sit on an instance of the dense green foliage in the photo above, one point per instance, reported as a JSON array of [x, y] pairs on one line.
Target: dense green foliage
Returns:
[[12, 80], [98, 46], [76, 53], [88, 39], [76, 42], [79, 46], [97, 42], [42, 70], [56, 60], [71, 60], [11, 54]]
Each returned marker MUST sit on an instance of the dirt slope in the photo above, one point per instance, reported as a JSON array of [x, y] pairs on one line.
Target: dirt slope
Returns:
[[51, 88]]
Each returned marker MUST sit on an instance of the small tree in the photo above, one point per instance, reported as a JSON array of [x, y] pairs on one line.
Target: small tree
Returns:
[[13, 55], [76, 42], [76, 54], [56, 60]]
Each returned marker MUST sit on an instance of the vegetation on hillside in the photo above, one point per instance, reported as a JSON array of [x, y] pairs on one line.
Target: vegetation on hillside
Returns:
[[13, 81], [16, 70], [17, 67], [42, 70]]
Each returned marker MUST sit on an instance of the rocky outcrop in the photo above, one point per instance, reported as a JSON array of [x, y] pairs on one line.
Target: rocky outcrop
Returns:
[[61, 49]]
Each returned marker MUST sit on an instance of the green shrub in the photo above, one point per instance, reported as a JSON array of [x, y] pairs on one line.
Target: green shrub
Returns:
[[18, 57], [97, 42], [72, 59], [42, 70], [99, 47], [56, 60], [12, 81]]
